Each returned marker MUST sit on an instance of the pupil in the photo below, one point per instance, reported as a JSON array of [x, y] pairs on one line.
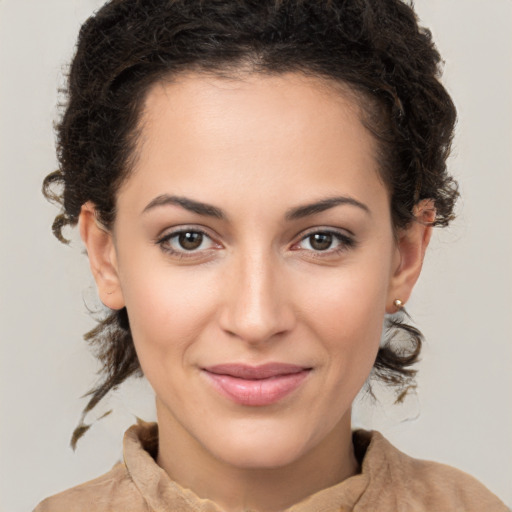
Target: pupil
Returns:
[[190, 240], [321, 241]]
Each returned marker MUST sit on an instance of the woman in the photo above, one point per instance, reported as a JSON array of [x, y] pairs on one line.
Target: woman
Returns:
[[256, 186]]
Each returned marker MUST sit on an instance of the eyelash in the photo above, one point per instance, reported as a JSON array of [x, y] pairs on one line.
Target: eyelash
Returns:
[[164, 241], [345, 243]]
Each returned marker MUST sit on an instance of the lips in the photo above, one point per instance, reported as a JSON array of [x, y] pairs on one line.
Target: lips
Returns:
[[256, 385]]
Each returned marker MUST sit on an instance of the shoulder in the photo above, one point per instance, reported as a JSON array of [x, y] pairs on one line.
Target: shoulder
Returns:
[[137, 484], [404, 483], [114, 490]]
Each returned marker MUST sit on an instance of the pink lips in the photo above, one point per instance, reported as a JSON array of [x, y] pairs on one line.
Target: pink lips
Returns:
[[256, 385]]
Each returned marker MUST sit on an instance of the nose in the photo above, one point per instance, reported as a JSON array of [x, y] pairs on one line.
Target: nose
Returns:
[[257, 308]]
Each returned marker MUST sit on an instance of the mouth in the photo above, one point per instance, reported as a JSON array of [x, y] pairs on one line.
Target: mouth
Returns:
[[256, 385]]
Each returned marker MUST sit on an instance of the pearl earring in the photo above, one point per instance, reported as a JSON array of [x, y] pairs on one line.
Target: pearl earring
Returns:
[[398, 304]]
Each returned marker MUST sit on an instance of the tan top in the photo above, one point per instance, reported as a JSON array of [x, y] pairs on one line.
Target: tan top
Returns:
[[389, 481]]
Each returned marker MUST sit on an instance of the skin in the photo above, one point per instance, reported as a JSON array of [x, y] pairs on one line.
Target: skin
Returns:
[[257, 289]]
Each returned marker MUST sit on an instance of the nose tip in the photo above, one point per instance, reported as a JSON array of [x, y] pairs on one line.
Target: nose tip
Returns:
[[253, 325], [257, 309]]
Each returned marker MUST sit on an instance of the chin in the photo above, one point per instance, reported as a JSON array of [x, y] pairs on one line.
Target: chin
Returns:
[[244, 456], [263, 447]]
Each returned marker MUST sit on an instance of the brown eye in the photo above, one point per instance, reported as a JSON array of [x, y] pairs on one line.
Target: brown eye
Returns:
[[186, 242], [190, 240], [321, 241], [328, 242]]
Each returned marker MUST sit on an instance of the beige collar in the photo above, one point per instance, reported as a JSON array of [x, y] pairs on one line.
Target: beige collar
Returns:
[[161, 493]]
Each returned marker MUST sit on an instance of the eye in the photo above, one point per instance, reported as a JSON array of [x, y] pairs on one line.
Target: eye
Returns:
[[190, 240], [186, 242], [325, 241], [320, 241]]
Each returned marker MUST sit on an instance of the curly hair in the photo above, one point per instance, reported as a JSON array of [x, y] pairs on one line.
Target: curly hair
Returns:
[[375, 47]]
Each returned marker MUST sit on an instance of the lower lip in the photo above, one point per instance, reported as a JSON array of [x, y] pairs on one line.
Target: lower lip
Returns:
[[257, 392]]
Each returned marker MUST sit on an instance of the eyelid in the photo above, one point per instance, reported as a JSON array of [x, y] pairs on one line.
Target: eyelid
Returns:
[[326, 229], [170, 233], [183, 228], [180, 228], [345, 238]]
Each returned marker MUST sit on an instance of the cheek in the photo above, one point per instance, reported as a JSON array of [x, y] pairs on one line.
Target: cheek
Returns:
[[346, 312], [167, 308], [349, 303]]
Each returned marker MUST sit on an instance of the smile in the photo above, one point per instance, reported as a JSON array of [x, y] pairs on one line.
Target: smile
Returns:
[[256, 385]]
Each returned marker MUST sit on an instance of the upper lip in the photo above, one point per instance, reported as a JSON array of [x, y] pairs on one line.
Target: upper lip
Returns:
[[264, 371]]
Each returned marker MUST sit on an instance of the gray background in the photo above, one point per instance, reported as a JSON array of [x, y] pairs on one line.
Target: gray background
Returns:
[[462, 414]]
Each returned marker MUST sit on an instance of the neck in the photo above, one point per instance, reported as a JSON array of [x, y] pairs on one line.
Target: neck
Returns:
[[259, 489]]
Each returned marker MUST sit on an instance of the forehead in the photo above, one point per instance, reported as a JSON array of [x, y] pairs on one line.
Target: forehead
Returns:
[[281, 135], [294, 103]]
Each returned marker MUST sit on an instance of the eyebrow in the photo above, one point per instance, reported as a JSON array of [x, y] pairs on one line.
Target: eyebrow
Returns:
[[325, 204], [209, 210], [189, 204]]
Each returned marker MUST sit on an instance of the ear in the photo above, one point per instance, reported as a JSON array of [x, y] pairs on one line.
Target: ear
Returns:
[[411, 246], [102, 257]]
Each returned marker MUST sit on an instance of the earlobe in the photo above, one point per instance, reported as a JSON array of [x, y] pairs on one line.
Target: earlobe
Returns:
[[102, 257], [411, 246]]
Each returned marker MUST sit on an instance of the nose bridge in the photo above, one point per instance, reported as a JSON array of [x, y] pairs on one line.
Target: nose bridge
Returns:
[[256, 309]]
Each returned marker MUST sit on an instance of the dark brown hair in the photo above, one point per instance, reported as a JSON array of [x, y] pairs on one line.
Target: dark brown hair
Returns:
[[374, 46]]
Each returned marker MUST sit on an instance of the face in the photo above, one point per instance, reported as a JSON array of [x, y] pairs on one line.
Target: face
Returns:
[[254, 251]]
